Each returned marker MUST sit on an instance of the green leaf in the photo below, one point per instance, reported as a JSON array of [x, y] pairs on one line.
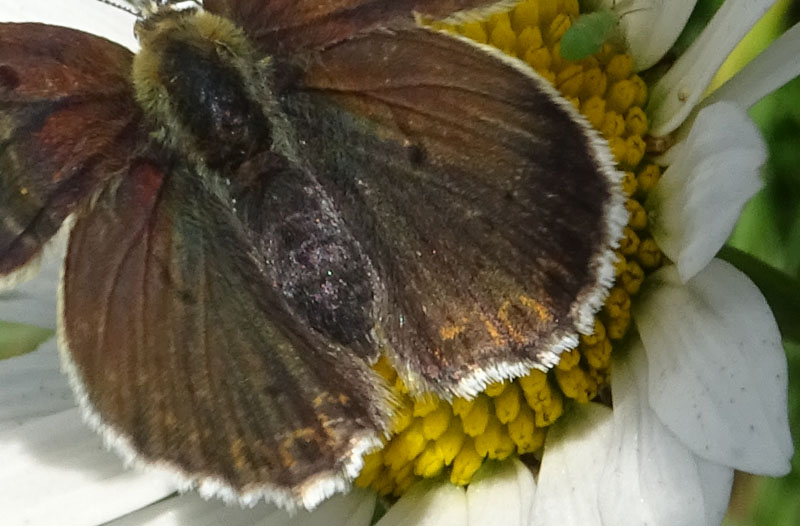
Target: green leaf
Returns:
[[782, 291], [20, 338]]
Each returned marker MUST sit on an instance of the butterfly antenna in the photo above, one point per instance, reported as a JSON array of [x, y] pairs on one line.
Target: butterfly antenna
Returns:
[[140, 8], [127, 9]]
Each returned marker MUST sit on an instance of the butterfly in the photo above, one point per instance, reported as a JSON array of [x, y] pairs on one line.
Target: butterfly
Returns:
[[271, 195]]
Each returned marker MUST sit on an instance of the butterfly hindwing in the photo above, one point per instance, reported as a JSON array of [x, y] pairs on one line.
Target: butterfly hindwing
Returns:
[[68, 123], [486, 204], [181, 343]]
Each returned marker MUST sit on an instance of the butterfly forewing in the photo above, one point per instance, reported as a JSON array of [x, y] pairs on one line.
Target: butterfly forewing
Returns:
[[288, 26], [173, 328], [189, 355], [487, 206], [69, 123]]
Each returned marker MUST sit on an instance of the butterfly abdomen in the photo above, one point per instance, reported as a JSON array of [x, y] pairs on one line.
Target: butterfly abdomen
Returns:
[[318, 266]]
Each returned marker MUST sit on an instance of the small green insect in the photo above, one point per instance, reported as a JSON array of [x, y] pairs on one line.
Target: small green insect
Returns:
[[588, 34], [591, 30]]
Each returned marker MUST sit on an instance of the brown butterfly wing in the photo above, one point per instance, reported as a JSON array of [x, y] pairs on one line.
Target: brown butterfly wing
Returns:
[[488, 207], [69, 123], [290, 25], [185, 348], [180, 345]]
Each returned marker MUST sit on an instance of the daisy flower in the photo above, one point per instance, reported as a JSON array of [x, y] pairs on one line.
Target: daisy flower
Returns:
[[643, 422]]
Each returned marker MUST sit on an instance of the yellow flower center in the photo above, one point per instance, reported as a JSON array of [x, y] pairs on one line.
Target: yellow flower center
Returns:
[[431, 437]]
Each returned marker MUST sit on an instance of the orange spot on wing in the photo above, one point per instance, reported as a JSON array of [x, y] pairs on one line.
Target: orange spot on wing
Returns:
[[286, 457], [237, 453], [326, 397], [493, 332], [451, 331], [537, 308], [502, 315], [304, 434]]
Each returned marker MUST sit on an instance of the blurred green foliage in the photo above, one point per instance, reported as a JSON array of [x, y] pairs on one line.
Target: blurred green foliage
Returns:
[[18, 338]]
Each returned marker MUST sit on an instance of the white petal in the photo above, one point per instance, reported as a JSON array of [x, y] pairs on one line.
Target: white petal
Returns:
[[650, 477], [716, 481], [352, 509], [501, 493], [717, 371], [192, 510], [650, 27], [429, 503], [774, 67], [55, 471], [574, 455], [32, 386], [680, 89], [34, 301], [93, 17], [695, 205]]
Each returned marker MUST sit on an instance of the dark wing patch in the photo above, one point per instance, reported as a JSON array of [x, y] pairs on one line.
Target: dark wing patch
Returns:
[[488, 207], [68, 123], [311, 256], [290, 25], [188, 353]]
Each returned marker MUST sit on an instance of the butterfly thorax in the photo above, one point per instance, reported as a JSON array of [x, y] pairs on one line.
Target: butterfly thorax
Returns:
[[199, 79]]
